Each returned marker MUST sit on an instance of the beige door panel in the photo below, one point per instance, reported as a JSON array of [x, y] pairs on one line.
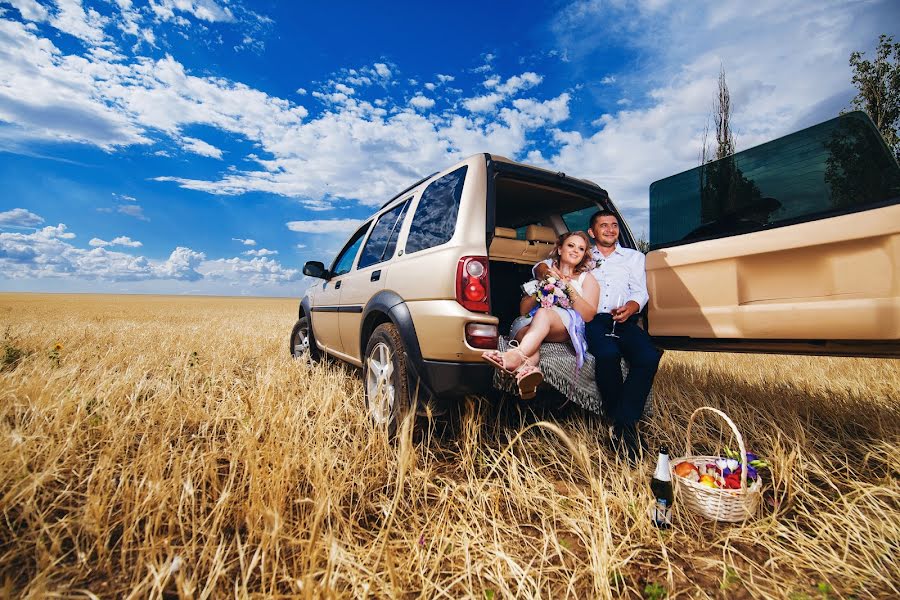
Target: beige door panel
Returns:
[[356, 291], [830, 279], [325, 323]]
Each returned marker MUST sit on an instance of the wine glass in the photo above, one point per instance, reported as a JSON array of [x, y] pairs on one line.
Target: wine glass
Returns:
[[619, 300]]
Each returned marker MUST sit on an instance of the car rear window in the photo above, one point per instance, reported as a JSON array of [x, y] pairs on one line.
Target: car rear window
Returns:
[[435, 218], [836, 167]]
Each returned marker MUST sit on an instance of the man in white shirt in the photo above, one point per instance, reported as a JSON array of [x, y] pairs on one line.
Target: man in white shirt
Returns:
[[614, 333]]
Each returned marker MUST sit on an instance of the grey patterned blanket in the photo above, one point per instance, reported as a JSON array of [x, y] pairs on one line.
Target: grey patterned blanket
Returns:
[[558, 365]]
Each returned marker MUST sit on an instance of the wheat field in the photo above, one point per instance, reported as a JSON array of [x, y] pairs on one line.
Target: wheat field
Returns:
[[163, 447]]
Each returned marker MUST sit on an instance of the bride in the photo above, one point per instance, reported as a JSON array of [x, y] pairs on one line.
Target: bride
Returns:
[[554, 324]]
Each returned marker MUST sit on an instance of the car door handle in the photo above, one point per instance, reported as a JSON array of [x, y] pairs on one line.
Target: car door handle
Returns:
[[337, 284], [376, 275]]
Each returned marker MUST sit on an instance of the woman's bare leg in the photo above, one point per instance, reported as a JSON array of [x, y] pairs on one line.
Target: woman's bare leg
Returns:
[[546, 325]]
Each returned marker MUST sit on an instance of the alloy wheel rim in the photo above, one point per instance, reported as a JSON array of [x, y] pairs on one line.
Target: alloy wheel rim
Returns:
[[379, 383], [301, 343]]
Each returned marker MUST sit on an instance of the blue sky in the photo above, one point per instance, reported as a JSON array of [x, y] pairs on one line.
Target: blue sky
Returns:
[[214, 146]]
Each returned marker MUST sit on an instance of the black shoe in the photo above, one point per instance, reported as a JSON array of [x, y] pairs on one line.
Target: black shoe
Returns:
[[629, 443]]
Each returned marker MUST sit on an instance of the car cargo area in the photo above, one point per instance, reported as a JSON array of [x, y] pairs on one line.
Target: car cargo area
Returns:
[[529, 215]]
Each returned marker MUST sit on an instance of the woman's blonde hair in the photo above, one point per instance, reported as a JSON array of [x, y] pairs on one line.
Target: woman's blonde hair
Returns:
[[586, 261]]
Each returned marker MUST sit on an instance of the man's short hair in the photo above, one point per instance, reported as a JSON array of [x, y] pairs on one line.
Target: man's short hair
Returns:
[[601, 213]]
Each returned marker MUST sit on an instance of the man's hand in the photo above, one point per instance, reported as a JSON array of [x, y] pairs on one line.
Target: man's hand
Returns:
[[621, 314]]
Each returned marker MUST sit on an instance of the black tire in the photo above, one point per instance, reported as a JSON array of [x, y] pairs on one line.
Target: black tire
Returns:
[[385, 380], [302, 342]]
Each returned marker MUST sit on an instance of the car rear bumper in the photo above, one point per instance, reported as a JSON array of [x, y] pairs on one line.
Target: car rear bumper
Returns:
[[456, 378]]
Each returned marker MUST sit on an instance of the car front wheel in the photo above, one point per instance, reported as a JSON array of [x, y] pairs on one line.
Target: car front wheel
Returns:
[[303, 344], [384, 372]]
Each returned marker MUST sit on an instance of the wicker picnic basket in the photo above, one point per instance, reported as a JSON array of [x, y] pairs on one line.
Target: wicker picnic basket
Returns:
[[718, 504]]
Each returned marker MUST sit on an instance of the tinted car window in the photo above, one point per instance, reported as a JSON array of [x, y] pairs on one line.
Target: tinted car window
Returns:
[[383, 239], [836, 167], [344, 260], [579, 220], [435, 219]]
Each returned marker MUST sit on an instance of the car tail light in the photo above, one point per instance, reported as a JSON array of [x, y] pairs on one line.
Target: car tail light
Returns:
[[472, 283], [482, 335]]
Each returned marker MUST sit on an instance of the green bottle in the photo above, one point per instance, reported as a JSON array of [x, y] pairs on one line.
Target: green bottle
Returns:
[[663, 494]]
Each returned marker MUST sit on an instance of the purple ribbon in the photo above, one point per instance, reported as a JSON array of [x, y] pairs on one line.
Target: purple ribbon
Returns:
[[576, 334]]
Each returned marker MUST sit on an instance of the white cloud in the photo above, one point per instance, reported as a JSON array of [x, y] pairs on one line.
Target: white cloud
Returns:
[[517, 83], [246, 242], [30, 9], [261, 252], [302, 91], [256, 271], [64, 101], [118, 241], [87, 25], [382, 70], [485, 103], [20, 218], [608, 80], [324, 226], [48, 255], [200, 147], [182, 264], [421, 102], [205, 10], [132, 210], [445, 78], [344, 89], [58, 232]]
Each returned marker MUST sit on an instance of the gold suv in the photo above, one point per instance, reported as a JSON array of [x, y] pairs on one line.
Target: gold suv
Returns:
[[790, 247]]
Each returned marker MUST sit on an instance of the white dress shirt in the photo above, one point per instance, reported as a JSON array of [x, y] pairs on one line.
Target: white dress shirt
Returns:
[[622, 274]]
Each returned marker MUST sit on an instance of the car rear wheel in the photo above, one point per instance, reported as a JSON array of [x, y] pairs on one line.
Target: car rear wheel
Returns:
[[385, 377], [303, 344]]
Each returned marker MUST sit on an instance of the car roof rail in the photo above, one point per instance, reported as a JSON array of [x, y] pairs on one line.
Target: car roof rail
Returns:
[[416, 184]]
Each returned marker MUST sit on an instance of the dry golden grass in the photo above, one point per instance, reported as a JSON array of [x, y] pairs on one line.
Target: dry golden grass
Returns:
[[171, 448]]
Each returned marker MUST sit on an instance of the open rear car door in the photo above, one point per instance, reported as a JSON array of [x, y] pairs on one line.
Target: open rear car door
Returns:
[[789, 247]]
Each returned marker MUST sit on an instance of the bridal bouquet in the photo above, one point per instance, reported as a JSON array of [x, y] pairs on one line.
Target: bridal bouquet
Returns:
[[552, 291]]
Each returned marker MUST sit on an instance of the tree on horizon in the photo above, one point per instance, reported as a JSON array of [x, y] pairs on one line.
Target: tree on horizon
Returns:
[[878, 85]]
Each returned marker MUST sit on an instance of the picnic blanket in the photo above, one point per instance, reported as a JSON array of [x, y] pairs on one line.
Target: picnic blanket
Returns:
[[558, 365]]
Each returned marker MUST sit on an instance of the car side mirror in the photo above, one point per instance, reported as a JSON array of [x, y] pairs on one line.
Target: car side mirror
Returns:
[[316, 269]]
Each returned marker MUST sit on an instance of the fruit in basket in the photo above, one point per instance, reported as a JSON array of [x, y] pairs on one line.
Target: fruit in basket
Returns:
[[708, 481], [687, 470]]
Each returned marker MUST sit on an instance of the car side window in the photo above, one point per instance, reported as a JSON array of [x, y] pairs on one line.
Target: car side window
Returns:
[[383, 239], [435, 218], [344, 261]]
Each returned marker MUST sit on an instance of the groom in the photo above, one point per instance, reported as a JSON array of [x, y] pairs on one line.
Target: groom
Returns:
[[623, 293]]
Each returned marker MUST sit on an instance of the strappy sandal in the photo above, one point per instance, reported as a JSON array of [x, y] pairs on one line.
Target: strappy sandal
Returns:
[[495, 357], [528, 378]]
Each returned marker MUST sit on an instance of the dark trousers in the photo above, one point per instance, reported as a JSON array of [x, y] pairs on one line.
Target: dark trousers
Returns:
[[623, 401]]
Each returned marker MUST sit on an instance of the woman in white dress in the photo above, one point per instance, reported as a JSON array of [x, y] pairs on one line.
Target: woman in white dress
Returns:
[[572, 259]]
